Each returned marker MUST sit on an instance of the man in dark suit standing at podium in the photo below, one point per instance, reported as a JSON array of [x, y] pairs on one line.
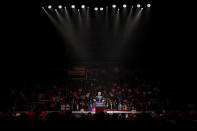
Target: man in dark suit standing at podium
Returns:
[[99, 103]]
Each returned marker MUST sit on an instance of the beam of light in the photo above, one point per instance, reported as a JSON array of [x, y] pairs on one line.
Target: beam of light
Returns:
[[60, 6], [59, 17], [67, 17], [138, 14], [114, 6], [88, 18], [65, 31], [124, 10], [114, 10], [130, 30], [49, 7], [79, 20], [129, 17], [52, 20], [148, 5], [147, 13], [84, 11], [72, 6], [96, 8], [127, 27], [82, 6], [116, 25], [107, 21], [101, 9], [124, 6], [74, 10], [138, 5]]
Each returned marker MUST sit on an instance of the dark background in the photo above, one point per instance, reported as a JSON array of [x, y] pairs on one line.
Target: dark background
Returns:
[[30, 44]]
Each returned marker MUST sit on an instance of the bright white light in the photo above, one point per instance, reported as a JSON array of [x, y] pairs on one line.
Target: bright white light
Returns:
[[124, 6], [49, 7], [114, 6], [83, 6], [148, 5], [101, 9], [95, 8], [141, 8], [72, 6], [138, 5], [60, 7]]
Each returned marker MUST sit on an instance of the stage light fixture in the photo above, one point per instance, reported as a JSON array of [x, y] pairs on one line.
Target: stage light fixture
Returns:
[[72, 6], [114, 6], [60, 7], [96, 8], [83, 6], [148, 5], [138, 5], [124, 6], [101, 9], [49, 7]]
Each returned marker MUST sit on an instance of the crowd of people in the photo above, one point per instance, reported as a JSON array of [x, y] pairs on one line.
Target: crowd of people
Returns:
[[128, 91], [131, 94]]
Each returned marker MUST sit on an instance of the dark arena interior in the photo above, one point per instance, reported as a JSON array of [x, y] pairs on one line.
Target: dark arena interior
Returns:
[[78, 63]]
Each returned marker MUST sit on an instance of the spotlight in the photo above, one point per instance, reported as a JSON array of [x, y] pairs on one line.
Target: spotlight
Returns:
[[138, 5], [124, 6], [96, 8], [114, 6], [142, 8], [72, 6], [101, 9], [49, 7], [148, 5], [83, 6], [60, 7]]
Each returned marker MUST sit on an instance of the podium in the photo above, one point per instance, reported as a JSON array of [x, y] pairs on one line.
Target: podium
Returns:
[[99, 104], [99, 110]]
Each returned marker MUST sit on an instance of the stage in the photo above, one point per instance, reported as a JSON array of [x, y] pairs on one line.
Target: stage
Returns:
[[108, 112]]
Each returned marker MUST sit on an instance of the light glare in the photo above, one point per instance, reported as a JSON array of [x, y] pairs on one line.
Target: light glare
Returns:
[[124, 6], [83, 6], [49, 7], [73, 6], [138, 5], [148, 5], [60, 7]]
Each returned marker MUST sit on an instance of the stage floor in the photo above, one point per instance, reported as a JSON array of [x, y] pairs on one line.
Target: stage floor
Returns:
[[107, 111]]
